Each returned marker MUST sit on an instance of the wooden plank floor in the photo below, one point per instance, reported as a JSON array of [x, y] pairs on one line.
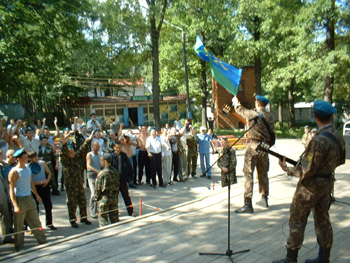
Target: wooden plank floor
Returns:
[[178, 235]]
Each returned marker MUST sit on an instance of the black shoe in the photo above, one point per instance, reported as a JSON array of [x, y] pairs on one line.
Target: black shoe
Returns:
[[163, 185], [52, 227], [263, 202], [292, 257], [133, 214], [323, 256], [247, 208], [133, 186], [85, 221], [209, 176], [153, 185], [8, 240], [176, 180], [194, 176], [56, 192], [74, 224], [203, 175]]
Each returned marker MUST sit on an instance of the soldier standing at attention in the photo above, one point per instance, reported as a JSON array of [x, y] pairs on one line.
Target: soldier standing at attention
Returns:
[[73, 174], [192, 152], [323, 154], [47, 154], [261, 132], [227, 163], [107, 191]]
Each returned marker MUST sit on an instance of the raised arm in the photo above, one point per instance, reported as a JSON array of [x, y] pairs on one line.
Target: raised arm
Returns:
[[57, 135], [42, 126]]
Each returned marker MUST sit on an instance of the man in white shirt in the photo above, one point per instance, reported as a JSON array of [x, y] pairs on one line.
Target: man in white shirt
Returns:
[[167, 157], [93, 124], [98, 138], [154, 149], [29, 142]]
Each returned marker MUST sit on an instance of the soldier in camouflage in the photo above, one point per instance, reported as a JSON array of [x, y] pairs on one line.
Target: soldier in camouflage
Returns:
[[73, 175], [192, 152], [48, 154], [107, 191], [323, 154], [227, 163], [258, 133]]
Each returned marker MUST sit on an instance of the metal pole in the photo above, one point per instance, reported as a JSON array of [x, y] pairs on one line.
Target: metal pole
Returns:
[[188, 103]]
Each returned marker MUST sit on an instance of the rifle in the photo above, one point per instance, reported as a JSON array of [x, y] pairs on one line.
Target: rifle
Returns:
[[264, 147]]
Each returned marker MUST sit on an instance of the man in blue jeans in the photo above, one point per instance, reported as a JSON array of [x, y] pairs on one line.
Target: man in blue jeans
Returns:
[[204, 141]]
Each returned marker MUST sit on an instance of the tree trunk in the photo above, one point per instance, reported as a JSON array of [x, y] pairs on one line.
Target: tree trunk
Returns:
[[257, 62], [330, 45], [291, 104], [280, 112], [204, 94], [155, 83]]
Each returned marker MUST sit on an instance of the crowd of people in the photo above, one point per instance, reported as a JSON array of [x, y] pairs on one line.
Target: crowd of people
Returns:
[[37, 163]]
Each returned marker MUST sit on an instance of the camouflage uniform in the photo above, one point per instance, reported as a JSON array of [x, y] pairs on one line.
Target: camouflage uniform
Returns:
[[192, 154], [224, 161], [73, 174], [306, 139], [313, 192], [110, 144], [106, 193], [48, 155], [252, 159]]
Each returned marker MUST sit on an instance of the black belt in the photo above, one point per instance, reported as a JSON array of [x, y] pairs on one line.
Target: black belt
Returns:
[[155, 153]]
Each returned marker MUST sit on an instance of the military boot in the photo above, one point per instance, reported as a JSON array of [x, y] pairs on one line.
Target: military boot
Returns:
[[292, 257], [323, 256], [263, 202], [247, 208]]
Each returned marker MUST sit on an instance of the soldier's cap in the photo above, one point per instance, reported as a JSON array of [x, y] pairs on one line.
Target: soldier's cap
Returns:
[[263, 99], [29, 129], [43, 136], [34, 167], [314, 130], [66, 129], [323, 108], [46, 127], [19, 153], [107, 157], [306, 126], [70, 147]]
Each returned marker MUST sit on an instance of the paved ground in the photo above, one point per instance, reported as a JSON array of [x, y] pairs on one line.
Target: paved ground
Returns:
[[203, 190]]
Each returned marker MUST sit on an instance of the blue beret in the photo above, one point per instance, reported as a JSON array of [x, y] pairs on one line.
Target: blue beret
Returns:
[[43, 136], [19, 153], [70, 146], [323, 108], [262, 99], [29, 129], [66, 129], [35, 167]]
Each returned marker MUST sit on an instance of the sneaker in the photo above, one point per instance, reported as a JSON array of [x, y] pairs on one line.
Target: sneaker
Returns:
[[74, 224]]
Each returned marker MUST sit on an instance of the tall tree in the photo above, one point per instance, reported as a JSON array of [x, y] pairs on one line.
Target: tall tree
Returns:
[[156, 8]]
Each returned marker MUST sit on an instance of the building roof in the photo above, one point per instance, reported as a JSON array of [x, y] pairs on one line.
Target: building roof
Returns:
[[125, 99]]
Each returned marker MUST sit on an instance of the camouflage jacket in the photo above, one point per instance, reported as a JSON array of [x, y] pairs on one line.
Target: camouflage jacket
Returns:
[[107, 183], [48, 155], [192, 144], [224, 160], [320, 159], [73, 170], [259, 132]]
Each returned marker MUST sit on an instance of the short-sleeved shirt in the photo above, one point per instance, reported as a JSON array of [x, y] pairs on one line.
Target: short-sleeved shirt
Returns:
[[204, 143], [154, 144], [30, 145]]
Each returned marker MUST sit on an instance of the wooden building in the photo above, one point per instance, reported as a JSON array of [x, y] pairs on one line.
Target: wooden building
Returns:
[[221, 97]]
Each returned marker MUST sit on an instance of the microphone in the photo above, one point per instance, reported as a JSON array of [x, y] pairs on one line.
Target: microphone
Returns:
[[255, 119]]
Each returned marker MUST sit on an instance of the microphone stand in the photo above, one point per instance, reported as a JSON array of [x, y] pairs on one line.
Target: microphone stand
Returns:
[[229, 253]]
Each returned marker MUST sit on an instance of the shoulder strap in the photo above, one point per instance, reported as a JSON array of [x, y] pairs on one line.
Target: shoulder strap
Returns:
[[332, 138], [267, 126]]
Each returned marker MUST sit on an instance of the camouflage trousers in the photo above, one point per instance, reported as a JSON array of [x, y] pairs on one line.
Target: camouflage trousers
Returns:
[[225, 177], [108, 209], [251, 160], [76, 197], [305, 201], [191, 163]]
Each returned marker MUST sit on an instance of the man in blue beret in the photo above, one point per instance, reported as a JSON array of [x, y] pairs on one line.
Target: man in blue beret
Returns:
[[323, 154], [21, 187], [262, 131]]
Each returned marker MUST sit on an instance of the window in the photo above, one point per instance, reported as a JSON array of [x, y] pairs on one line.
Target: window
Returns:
[[173, 107], [99, 112], [120, 111], [109, 112], [164, 116]]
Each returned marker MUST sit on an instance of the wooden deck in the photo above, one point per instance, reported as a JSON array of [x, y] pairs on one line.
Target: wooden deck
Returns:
[[178, 234]]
